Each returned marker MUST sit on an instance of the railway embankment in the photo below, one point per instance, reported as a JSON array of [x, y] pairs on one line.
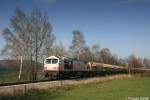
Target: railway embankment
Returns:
[[21, 89]]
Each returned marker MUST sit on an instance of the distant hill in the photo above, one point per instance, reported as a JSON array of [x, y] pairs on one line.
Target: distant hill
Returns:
[[13, 64], [9, 63]]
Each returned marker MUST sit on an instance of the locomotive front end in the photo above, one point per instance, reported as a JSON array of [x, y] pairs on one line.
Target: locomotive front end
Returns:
[[51, 65]]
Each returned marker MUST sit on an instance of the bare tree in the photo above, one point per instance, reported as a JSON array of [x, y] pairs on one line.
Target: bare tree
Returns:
[[87, 54], [28, 36], [95, 49], [59, 50], [105, 55], [146, 63], [42, 36], [78, 43], [122, 62], [134, 62], [114, 60]]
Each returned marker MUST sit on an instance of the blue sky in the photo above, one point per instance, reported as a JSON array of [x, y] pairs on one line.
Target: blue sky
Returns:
[[123, 26]]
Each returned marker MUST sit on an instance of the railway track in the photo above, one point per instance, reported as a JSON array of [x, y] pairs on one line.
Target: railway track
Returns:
[[38, 81], [17, 83]]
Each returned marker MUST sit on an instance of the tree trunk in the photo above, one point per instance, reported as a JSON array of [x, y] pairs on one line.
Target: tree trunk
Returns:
[[36, 56]]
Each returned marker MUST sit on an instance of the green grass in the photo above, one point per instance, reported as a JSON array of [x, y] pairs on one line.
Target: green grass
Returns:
[[8, 74], [118, 89], [13, 77], [6, 69]]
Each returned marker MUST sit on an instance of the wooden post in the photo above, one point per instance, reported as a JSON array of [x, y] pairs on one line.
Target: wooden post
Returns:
[[20, 68]]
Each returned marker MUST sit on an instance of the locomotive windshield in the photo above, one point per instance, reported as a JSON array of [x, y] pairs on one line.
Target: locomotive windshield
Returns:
[[48, 61], [51, 61], [54, 61]]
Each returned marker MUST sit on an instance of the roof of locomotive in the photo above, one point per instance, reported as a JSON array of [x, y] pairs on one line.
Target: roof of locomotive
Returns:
[[62, 58], [54, 57]]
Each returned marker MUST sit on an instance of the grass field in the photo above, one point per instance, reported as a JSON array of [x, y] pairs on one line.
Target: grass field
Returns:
[[10, 75], [119, 89]]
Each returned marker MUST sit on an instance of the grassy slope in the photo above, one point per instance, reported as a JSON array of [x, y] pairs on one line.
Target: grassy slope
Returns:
[[118, 89]]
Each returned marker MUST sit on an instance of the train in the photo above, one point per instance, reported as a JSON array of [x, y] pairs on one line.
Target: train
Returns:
[[65, 67]]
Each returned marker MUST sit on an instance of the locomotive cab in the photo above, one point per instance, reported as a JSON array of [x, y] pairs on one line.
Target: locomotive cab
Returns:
[[63, 66], [51, 64]]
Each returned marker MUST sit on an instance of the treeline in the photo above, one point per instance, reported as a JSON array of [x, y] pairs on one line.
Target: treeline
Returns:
[[81, 51], [30, 37]]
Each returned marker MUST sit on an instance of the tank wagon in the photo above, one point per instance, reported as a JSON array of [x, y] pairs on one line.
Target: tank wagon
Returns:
[[62, 67]]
